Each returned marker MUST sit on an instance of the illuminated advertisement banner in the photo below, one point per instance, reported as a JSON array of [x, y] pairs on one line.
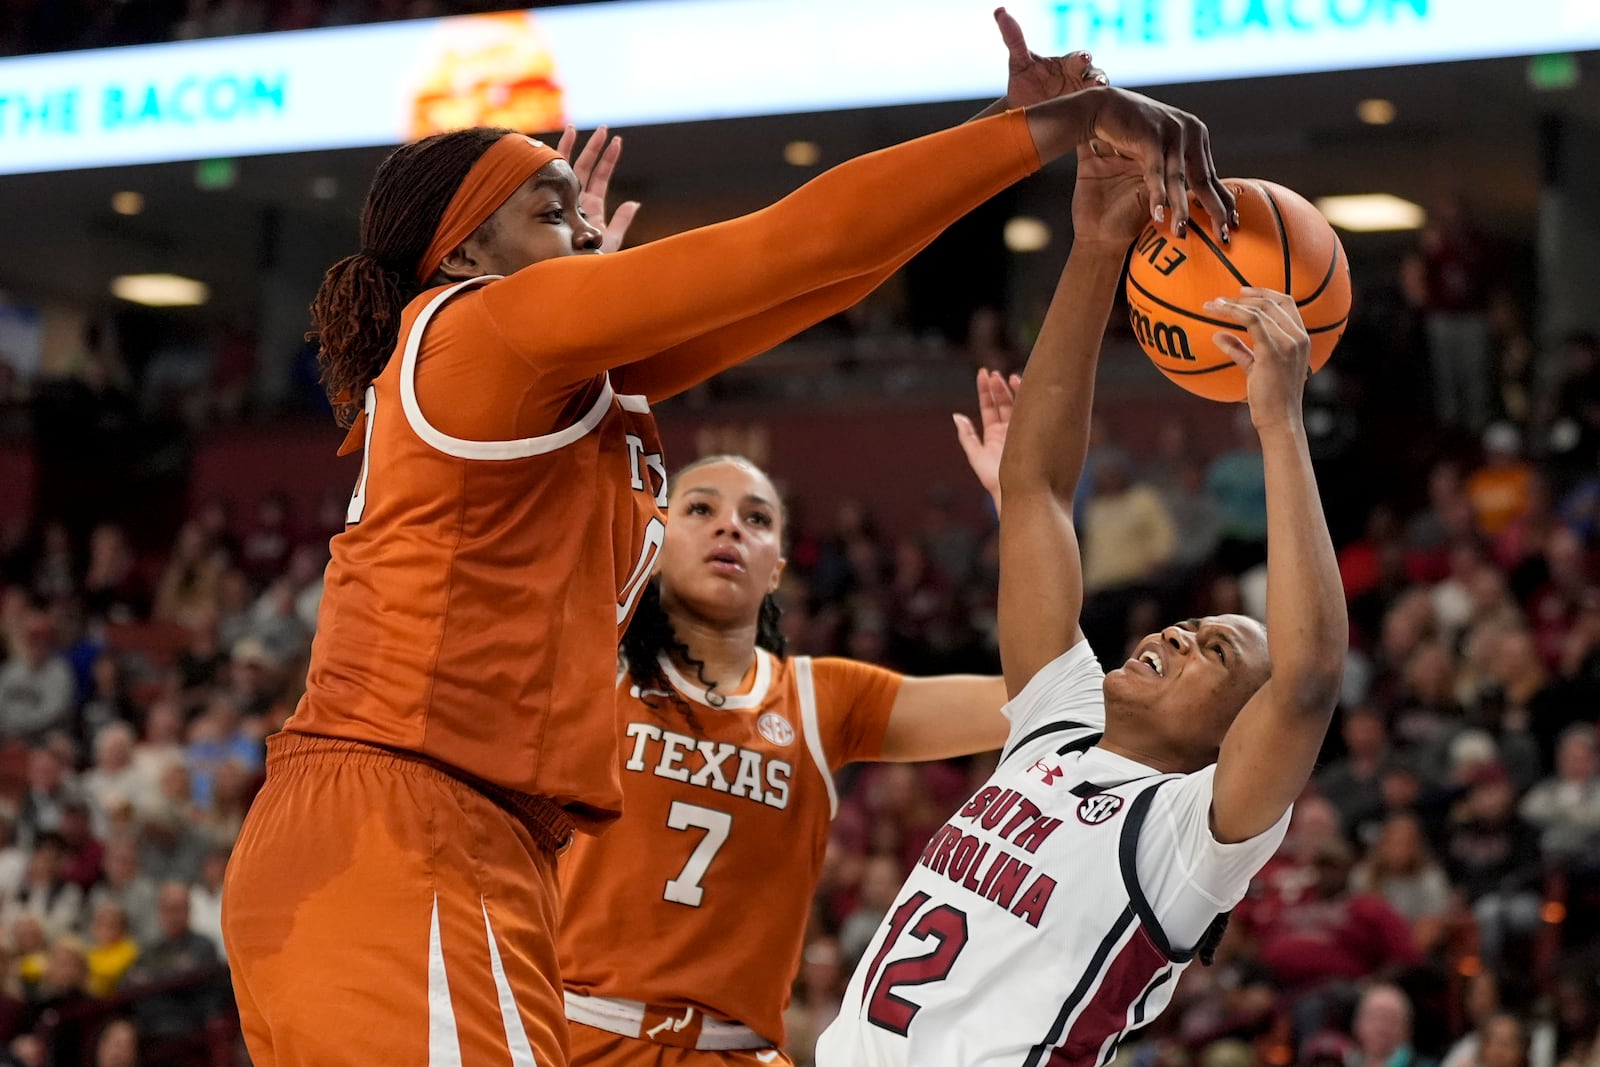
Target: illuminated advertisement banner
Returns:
[[657, 61]]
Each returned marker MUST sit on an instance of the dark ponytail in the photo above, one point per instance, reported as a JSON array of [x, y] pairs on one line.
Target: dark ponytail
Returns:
[[356, 313]]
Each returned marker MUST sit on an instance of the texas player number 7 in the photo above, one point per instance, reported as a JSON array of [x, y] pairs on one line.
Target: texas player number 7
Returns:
[[685, 888]]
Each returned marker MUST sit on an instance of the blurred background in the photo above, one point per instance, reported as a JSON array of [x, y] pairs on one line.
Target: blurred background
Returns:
[[177, 174]]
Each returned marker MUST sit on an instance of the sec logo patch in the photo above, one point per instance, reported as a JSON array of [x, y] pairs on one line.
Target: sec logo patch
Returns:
[[775, 728], [1097, 809]]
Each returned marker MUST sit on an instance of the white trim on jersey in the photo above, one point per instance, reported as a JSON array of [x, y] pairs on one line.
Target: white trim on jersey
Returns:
[[637, 403], [444, 1047], [516, 1034], [801, 665], [521, 448], [734, 702]]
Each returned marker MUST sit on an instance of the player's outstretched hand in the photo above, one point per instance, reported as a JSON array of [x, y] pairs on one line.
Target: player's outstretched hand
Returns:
[[983, 446], [1277, 361], [594, 167], [1172, 149], [1033, 78]]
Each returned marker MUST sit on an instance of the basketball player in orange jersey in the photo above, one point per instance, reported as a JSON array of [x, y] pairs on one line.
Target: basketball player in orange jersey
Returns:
[[682, 926], [392, 898]]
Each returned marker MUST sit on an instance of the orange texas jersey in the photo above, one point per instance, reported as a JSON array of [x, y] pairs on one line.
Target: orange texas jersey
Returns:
[[473, 604], [698, 897], [505, 517]]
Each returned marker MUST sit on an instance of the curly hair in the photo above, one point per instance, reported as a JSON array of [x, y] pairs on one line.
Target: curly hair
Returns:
[[356, 313]]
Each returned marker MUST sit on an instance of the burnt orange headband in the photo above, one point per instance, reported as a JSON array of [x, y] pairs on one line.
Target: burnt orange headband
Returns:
[[509, 162]]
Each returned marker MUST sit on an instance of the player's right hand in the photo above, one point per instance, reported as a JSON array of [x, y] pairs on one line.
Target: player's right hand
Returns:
[[1172, 149], [1277, 361]]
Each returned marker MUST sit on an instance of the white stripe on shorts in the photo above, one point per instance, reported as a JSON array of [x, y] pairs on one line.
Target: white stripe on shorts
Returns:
[[444, 1047], [516, 1035]]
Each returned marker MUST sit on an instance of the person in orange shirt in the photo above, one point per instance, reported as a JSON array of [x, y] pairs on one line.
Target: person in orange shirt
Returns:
[[1501, 490], [393, 893], [682, 926]]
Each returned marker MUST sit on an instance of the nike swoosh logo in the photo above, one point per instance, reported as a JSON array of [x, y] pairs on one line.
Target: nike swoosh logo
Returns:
[[769, 1056]]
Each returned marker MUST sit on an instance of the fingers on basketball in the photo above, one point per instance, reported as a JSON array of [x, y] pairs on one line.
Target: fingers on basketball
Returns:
[[1282, 243]]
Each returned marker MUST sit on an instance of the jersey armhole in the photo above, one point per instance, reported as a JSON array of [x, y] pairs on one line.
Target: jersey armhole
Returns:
[[1128, 860], [810, 725]]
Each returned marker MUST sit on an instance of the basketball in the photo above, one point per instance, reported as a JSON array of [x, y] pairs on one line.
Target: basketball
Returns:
[[1282, 242]]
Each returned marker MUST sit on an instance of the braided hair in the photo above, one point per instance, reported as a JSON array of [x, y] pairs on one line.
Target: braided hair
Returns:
[[356, 313], [650, 634]]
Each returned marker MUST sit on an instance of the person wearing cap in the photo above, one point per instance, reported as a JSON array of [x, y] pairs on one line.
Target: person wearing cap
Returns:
[[1501, 490], [392, 897], [1492, 856]]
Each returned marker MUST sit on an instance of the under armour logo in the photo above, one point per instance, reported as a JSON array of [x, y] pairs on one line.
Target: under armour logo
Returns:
[[676, 1024], [1047, 774]]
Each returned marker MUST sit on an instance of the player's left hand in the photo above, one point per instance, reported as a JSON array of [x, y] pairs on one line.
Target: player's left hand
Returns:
[[996, 395], [594, 167], [1277, 362], [1033, 78]]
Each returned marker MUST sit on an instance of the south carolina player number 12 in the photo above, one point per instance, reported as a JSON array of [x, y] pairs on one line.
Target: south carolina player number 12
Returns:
[[945, 925]]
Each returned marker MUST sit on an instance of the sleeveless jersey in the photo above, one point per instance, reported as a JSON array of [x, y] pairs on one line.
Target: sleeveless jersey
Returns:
[[698, 897], [474, 600], [1024, 936]]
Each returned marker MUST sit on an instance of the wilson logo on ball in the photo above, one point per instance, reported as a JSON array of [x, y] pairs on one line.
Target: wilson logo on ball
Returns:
[[1160, 337]]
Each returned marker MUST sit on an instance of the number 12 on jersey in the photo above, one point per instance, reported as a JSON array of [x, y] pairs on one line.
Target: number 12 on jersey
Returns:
[[946, 927]]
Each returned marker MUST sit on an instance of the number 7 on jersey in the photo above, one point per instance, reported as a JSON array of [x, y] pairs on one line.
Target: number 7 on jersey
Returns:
[[686, 888]]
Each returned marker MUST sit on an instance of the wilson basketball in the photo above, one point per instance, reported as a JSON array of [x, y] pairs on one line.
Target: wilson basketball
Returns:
[[1282, 243]]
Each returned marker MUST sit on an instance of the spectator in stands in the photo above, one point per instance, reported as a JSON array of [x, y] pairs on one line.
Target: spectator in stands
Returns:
[[216, 738], [1459, 271], [177, 953], [49, 789], [1334, 935], [880, 882], [45, 892], [112, 588], [816, 1001], [1493, 858], [170, 846], [1501, 489], [1129, 536], [1400, 869], [56, 1007], [118, 1045], [189, 584], [37, 688], [265, 546], [112, 949], [82, 853], [113, 779], [1566, 806], [1237, 480], [28, 948], [13, 858], [161, 747], [1197, 518], [254, 672], [1350, 783], [205, 898], [1382, 1029], [125, 886], [108, 700], [1571, 417]]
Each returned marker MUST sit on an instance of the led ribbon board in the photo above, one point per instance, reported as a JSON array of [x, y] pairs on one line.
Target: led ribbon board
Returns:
[[659, 61]]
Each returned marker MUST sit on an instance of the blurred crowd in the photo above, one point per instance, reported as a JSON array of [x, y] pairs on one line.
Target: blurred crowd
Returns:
[[1438, 895]]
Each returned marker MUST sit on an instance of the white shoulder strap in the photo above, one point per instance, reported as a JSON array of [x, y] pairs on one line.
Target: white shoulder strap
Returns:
[[812, 728]]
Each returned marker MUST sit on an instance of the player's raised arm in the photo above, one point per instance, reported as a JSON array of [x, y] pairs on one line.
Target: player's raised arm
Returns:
[[1041, 575], [1272, 746]]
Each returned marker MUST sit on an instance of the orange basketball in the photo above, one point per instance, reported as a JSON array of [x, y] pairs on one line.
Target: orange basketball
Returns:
[[1282, 243]]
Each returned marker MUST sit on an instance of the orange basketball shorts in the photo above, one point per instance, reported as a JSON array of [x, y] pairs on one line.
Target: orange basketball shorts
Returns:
[[377, 910]]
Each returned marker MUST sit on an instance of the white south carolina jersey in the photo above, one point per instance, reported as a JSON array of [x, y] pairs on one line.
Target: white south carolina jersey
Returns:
[[1054, 912]]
